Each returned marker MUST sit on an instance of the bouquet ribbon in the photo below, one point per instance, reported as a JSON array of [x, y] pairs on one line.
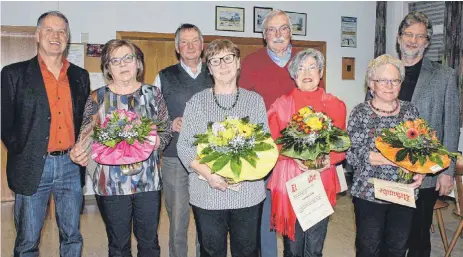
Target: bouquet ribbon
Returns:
[[124, 153], [267, 160], [428, 167]]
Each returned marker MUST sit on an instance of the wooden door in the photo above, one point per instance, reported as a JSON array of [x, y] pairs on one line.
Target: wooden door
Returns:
[[18, 44]]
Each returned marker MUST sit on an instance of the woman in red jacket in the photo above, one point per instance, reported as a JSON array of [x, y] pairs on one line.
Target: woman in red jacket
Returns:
[[306, 68]]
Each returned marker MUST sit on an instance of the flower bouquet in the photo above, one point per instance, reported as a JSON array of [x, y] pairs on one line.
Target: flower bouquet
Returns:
[[237, 150], [124, 138], [310, 136], [414, 146]]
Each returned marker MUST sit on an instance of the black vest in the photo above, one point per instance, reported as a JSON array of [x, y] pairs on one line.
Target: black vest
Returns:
[[178, 87]]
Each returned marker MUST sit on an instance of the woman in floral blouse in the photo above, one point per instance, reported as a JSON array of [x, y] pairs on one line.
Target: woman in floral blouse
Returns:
[[126, 193]]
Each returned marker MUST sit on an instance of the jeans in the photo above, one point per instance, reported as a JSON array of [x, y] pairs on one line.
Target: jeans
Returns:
[[382, 229], [62, 178], [268, 238], [177, 200], [308, 243], [118, 213], [243, 225], [419, 242]]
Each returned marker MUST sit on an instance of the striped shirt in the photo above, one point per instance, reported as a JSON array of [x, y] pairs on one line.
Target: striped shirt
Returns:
[[200, 110]]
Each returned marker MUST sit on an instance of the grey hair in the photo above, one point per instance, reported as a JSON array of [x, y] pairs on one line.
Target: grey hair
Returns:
[[416, 17], [380, 61], [301, 57], [272, 14], [53, 13], [187, 26]]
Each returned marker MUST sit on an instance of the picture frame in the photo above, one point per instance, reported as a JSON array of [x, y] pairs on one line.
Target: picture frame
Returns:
[[229, 18], [299, 22], [348, 31], [259, 16]]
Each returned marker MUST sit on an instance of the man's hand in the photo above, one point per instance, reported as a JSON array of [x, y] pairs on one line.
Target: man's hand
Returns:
[[444, 184], [78, 155], [177, 124]]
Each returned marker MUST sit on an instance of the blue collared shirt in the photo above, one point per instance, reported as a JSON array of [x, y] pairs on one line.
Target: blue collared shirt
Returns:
[[280, 61]]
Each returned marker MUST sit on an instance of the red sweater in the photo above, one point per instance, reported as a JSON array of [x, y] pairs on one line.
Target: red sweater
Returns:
[[261, 74]]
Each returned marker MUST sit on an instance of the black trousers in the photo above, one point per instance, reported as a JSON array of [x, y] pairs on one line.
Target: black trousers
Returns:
[[243, 225], [382, 229], [120, 211], [307, 244], [419, 242]]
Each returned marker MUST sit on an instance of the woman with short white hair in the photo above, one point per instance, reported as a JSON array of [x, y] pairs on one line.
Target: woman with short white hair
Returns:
[[382, 228]]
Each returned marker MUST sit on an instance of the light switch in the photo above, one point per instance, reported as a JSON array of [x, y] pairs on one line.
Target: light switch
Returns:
[[84, 37]]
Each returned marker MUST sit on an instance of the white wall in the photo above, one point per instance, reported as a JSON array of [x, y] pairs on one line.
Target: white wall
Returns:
[[396, 11], [102, 19]]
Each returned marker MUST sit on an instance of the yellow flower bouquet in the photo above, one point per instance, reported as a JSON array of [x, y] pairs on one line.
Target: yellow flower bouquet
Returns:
[[310, 136], [237, 150]]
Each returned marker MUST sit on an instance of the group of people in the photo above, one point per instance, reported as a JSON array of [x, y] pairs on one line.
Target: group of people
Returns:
[[48, 116]]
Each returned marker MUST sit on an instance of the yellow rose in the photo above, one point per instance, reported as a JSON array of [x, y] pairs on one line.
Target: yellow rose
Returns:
[[314, 123], [305, 111], [245, 130], [228, 134]]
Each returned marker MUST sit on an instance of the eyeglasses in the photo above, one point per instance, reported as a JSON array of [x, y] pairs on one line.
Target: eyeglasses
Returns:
[[128, 58], [311, 68], [284, 30], [410, 35], [385, 82], [229, 58]]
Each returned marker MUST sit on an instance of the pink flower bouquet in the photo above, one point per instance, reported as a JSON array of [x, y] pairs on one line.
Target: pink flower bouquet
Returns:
[[123, 138]]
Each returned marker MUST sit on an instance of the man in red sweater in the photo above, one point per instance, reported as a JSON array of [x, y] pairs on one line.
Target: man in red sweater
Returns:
[[265, 72]]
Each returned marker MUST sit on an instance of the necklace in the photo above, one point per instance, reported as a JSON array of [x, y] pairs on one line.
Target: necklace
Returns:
[[384, 111], [223, 107]]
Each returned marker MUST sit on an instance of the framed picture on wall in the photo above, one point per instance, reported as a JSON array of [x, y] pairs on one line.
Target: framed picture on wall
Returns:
[[259, 16], [299, 21], [229, 18]]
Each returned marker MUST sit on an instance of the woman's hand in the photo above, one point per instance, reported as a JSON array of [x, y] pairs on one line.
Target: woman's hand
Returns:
[[217, 182], [78, 155], [379, 159], [157, 143], [303, 167], [417, 180]]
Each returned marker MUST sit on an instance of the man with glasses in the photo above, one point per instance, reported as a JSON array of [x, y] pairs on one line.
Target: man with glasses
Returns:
[[265, 72], [43, 101], [432, 88], [178, 84]]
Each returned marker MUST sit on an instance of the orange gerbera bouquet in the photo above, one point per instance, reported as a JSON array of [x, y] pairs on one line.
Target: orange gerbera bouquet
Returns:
[[414, 146]]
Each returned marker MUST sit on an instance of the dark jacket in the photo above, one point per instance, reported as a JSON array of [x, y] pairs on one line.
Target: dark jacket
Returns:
[[26, 120]]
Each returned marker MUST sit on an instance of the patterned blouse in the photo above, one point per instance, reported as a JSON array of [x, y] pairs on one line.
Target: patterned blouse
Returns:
[[362, 127], [147, 101]]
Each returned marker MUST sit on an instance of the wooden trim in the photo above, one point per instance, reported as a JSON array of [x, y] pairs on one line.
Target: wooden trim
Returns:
[[134, 35], [18, 29]]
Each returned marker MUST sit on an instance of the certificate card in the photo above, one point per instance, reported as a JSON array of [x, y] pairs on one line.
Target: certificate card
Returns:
[[308, 198], [394, 192]]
